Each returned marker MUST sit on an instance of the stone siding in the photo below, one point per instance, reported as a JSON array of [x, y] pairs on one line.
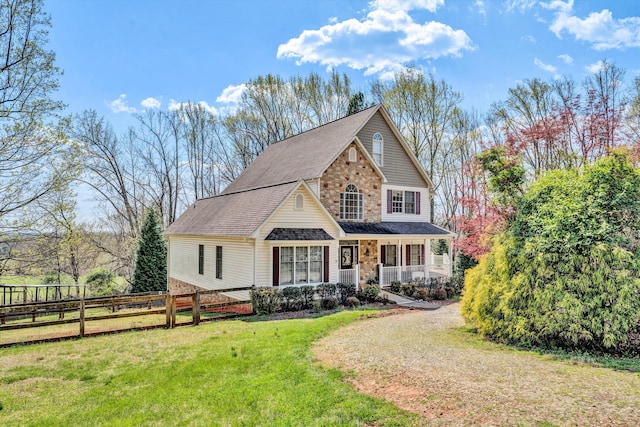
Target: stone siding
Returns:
[[362, 174], [368, 264]]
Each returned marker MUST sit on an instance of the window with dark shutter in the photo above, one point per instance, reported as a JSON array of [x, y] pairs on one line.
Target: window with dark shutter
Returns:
[[325, 277], [389, 201], [200, 259], [276, 267], [417, 203], [218, 262]]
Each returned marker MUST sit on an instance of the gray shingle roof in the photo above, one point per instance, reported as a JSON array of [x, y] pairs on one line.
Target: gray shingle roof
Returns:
[[232, 214], [392, 228], [304, 156], [298, 234]]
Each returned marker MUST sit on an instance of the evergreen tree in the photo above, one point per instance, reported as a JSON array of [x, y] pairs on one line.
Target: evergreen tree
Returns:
[[151, 259]]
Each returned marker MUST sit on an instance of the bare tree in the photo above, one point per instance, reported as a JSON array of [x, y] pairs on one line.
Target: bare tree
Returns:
[[28, 77], [157, 142]]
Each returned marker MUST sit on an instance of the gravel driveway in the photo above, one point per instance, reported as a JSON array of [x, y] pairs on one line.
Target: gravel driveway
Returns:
[[424, 362]]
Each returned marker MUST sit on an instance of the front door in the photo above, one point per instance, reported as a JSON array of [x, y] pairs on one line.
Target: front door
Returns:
[[346, 257]]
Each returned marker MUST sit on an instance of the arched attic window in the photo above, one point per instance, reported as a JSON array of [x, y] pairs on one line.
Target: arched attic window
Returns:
[[353, 155]]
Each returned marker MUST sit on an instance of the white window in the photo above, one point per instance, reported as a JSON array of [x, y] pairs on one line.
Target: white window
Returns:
[[353, 155], [409, 202], [378, 142], [351, 203], [301, 264], [299, 202], [286, 265], [315, 264], [396, 201]]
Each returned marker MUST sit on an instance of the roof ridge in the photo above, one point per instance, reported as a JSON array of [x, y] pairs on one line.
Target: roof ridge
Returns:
[[325, 124], [251, 189]]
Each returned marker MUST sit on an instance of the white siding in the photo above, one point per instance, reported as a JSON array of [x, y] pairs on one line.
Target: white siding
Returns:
[[398, 217], [313, 216], [237, 261]]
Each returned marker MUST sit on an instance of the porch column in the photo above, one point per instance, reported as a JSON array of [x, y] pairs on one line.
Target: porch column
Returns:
[[450, 264], [399, 261], [427, 258]]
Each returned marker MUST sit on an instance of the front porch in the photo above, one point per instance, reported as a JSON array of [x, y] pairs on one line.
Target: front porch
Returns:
[[382, 261]]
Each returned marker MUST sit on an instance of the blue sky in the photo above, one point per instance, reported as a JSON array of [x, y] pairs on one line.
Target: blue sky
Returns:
[[121, 57]]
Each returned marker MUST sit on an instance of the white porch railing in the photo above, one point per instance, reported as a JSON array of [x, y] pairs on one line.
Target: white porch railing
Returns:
[[350, 276], [407, 273], [388, 274], [440, 261]]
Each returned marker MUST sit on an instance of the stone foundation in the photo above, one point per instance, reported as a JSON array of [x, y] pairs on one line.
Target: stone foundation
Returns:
[[179, 287]]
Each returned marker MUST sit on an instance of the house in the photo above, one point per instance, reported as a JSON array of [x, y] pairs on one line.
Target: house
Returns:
[[344, 202]]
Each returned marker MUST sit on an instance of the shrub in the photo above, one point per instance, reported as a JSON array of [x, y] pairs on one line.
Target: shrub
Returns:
[[329, 302], [440, 294], [352, 302], [346, 290], [422, 294], [326, 290], [408, 289], [566, 273], [101, 282], [266, 300], [370, 293], [292, 298], [307, 292], [395, 286]]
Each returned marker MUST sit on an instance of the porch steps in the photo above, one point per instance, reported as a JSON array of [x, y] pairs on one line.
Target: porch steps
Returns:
[[412, 304]]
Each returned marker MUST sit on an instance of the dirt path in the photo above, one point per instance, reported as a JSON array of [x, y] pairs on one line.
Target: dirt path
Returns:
[[423, 362]]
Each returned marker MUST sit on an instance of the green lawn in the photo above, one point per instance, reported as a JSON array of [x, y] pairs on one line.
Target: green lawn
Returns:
[[232, 373]]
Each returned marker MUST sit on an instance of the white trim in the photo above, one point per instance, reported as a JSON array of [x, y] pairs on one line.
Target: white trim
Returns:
[[312, 196]]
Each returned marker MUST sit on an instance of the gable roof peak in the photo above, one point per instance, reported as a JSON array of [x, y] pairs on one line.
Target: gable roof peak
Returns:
[[302, 156]]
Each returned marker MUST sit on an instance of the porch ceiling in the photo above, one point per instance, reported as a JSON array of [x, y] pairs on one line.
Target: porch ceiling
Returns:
[[393, 228]]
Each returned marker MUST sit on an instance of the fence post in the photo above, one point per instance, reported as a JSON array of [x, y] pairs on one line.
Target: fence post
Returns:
[[81, 317], [173, 311], [195, 302], [167, 306]]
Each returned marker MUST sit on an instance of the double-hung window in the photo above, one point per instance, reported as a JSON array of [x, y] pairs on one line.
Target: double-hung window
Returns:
[[396, 201], [409, 202], [301, 264], [403, 202]]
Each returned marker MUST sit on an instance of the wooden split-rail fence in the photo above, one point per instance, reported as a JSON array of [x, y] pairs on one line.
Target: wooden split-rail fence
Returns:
[[84, 310]]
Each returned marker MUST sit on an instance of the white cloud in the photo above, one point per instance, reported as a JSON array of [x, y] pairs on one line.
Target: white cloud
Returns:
[[566, 58], [174, 105], [600, 29], [519, 5], [120, 105], [381, 42], [546, 67], [529, 38], [151, 102], [594, 68], [480, 7], [231, 94]]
